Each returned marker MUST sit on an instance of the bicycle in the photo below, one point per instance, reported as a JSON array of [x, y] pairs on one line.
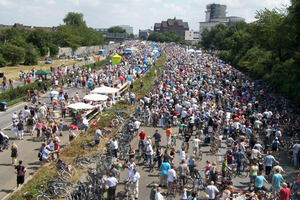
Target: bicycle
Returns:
[[55, 192], [117, 120]]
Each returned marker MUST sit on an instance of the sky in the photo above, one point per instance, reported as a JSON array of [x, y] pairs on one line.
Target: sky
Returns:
[[140, 14]]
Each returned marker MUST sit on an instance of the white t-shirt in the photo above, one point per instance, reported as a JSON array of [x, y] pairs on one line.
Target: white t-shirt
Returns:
[[158, 196], [196, 142], [181, 155], [171, 175], [137, 124]]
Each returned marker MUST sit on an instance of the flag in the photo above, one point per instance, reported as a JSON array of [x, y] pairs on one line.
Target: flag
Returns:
[[131, 61]]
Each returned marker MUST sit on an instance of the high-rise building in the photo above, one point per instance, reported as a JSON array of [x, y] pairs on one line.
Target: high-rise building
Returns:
[[216, 14], [129, 29]]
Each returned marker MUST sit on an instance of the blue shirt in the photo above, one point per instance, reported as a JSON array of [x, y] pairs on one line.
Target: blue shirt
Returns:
[[269, 160], [259, 181], [164, 168], [277, 178]]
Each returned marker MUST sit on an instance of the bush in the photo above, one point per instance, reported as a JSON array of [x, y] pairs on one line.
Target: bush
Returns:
[[2, 61]]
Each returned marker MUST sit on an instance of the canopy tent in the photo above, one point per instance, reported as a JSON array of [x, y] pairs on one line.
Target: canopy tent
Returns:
[[190, 51], [95, 97], [116, 59], [42, 72], [105, 90], [155, 51], [80, 106]]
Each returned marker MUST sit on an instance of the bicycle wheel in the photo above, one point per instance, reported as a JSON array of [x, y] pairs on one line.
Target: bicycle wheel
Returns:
[[42, 197], [115, 122], [66, 175], [61, 192], [189, 183]]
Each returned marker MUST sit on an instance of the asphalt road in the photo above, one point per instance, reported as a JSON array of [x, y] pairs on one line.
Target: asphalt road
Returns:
[[28, 148]]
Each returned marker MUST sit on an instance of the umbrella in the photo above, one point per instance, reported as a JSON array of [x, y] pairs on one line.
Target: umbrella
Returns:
[[121, 78], [80, 106], [59, 72], [95, 97], [55, 92], [145, 61]]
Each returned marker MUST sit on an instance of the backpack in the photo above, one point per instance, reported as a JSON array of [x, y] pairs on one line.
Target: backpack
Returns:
[[275, 145]]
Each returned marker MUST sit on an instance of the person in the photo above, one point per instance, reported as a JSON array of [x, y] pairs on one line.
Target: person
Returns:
[[149, 153], [183, 193], [277, 166], [275, 146], [85, 126], [253, 173], [284, 192], [211, 190], [14, 153], [169, 134], [20, 170], [224, 168], [72, 132], [20, 127], [115, 147], [259, 181], [136, 126], [30, 124], [269, 160], [131, 152], [196, 143], [276, 179], [130, 166], [182, 172], [182, 155], [56, 148], [226, 193], [191, 161], [165, 166], [112, 183], [157, 137], [296, 149], [158, 195], [158, 156], [192, 196], [134, 179], [97, 137], [239, 156], [172, 155], [142, 137], [213, 172], [171, 178], [206, 171]]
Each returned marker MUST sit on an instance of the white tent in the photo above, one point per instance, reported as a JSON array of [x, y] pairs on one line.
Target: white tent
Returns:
[[95, 97], [190, 51], [80, 106], [106, 90], [155, 51]]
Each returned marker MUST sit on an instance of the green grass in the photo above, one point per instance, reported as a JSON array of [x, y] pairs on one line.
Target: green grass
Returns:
[[75, 148]]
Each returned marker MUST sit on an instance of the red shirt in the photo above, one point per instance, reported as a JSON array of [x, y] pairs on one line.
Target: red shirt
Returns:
[[284, 194], [142, 135]]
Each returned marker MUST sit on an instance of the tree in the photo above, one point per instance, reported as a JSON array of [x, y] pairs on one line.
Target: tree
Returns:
[[2, 61], [12, 53], [41, 39], [116, 29], [31, 57], [53, 49], [74, 19]]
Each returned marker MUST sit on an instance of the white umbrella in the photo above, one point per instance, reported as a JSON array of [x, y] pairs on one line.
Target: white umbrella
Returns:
[[155, 51], [55, 92], [80, 106], [95, 97]]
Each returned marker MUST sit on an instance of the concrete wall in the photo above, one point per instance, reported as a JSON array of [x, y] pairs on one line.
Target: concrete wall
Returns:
[[86, 50]]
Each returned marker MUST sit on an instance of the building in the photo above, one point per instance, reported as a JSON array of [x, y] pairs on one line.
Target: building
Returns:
[[191, 37], [216, 14], [176, 25], [145, 32], [129, 29]]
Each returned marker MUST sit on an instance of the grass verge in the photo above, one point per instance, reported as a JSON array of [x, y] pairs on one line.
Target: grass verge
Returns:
[[75, 148]]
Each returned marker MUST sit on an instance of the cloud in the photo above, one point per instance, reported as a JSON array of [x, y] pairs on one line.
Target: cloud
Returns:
[[7, 3]]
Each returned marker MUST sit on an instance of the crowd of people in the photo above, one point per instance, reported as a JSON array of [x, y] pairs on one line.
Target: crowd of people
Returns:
[[207, 100]]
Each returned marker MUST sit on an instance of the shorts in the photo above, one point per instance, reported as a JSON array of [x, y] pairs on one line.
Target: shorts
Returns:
[[195, 149], [20, 133], [252, 178], [170, 184], [136, 129], [275, 189], [168, 140], [223, 174], [20, 179], [274, 148], [97, 142]]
